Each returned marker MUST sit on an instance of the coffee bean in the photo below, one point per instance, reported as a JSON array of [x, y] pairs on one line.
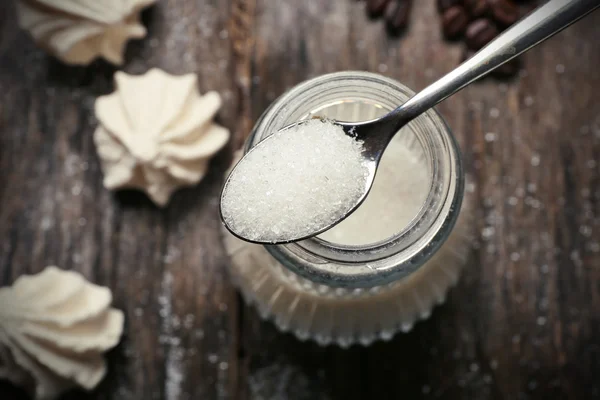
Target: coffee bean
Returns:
[[507, 70], [454, 22], [504, 12], [479, 33], [477, 8], [443, 5], [375, 7], [397, 15], [468, 53], [527, 7]]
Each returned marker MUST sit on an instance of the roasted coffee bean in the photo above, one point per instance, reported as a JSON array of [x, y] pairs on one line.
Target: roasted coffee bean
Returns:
[[504, 12], [468, 53], [443, 5], [527, 7], [375, 7], [480, 32], [454, 22], [507, 70], [477, 8], [397, 15]]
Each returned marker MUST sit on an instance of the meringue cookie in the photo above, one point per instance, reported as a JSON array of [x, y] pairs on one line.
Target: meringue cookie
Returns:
[[157, 133], [78, 31], [54, 328]]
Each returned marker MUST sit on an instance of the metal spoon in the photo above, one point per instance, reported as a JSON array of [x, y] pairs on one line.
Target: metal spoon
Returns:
[[538, 26]]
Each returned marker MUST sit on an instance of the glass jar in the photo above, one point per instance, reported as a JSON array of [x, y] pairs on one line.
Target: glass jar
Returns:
[[390, 262]]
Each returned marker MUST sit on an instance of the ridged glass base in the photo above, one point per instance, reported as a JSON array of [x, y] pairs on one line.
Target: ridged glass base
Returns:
[[345, 316]]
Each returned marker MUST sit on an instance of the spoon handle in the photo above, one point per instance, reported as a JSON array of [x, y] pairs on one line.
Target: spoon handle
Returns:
[[538, 26]]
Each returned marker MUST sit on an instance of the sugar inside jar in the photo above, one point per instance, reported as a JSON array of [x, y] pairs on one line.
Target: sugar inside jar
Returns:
[[389, 263]]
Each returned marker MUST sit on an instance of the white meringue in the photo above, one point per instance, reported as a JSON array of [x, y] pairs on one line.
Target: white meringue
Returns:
[[78, 31], [54, 328], [157, 133]]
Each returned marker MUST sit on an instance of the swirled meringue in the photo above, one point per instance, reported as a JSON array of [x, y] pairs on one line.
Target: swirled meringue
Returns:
[[157, 133], [78, 31], [54, 328]]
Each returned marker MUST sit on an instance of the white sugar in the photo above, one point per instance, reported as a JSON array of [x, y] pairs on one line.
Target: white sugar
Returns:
[[296, 183]]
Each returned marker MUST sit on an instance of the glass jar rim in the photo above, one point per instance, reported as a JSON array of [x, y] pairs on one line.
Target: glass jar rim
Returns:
[[378, 263]]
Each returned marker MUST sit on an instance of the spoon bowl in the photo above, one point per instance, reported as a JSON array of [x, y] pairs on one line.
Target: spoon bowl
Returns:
[[368, 162]]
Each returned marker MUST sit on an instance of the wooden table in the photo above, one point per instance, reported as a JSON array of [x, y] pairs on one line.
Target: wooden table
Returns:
[[524, 322]]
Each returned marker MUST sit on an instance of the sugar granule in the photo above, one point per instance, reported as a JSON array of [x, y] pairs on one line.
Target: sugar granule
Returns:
[[295, 184]]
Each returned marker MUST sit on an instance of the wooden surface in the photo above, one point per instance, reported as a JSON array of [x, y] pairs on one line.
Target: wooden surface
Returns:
[[524, 322]]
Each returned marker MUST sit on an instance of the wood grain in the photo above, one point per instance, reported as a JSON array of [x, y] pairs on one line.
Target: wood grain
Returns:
[[166, 267], [524, 322]]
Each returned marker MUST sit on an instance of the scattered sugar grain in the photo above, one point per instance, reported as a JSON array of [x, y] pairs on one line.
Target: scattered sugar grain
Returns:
[[296, 183], [529, 101], [490, 137]]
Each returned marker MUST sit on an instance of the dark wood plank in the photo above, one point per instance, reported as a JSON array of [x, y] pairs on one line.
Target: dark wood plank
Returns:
[[523, 322], [166, 267]]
